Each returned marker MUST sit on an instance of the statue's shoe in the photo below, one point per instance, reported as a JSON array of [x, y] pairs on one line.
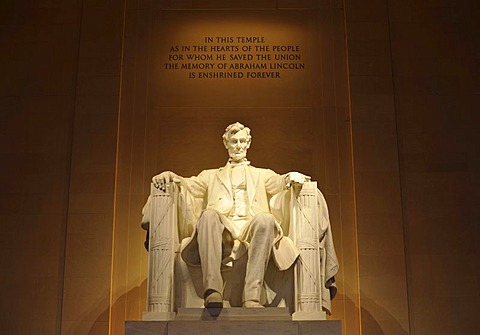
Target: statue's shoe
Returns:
[[213, 300], [252, 304]]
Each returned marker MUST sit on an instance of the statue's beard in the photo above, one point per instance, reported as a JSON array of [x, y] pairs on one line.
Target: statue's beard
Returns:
[[238, 155]]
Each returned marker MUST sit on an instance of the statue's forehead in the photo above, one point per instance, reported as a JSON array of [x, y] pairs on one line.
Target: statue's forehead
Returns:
[[240, 134]]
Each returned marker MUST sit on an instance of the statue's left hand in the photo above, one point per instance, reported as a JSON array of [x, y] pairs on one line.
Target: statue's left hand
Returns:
[[295, 180]]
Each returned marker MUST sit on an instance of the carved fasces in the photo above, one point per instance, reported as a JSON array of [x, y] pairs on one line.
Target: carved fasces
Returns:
[[305, 235], [161, 256]]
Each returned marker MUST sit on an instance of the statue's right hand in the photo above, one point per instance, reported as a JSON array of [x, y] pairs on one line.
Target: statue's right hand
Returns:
[[161, 180]]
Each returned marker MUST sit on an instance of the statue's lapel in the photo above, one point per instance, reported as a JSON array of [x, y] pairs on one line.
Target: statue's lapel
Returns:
[[252, 179], [224, 176]]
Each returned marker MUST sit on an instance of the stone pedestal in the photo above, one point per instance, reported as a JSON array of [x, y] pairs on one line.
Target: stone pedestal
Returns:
[[233, 321], [233, 314]]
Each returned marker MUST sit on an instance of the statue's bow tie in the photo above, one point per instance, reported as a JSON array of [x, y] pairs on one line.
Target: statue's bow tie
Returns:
[[233, 164]]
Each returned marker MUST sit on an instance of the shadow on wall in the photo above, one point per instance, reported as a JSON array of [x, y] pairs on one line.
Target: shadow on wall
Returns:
[[122, 312], [96, 320], [376, 320], [93, 322]]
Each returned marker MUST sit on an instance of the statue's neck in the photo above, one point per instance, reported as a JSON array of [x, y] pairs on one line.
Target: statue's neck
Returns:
[[238, 162]]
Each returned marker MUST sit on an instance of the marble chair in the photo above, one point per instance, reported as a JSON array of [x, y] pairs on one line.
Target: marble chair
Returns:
[[306, 289]]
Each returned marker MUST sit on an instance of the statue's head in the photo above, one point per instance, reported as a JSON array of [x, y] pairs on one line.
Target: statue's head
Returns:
[[237, 140]]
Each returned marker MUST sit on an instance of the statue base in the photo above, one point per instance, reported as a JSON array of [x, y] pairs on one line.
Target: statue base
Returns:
[[326, 327], [158, 316], [265, 321], [309, 316], [233, 314]]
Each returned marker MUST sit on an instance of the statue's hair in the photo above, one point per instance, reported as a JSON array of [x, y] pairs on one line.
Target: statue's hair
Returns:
[[233, 129]]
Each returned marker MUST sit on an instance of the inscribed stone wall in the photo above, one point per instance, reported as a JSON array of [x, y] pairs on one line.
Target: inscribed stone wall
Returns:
[[178, 95]]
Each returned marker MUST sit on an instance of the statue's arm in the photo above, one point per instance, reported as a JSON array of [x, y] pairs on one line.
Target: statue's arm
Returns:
[[281, 201], [196, 185], [276, 183], [191, 193]]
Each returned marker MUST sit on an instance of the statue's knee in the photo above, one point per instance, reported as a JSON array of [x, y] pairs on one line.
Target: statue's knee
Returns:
[[264, 221], [266, 217], [209, 214], [208, 217]]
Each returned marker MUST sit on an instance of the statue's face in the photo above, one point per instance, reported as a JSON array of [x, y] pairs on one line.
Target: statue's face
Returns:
[[237, 146]]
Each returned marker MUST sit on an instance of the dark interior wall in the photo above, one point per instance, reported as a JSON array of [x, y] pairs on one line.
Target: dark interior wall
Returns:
[[414, 69], [381, 249], [436, 68], [39, 44], [88, 254], [59, 92]]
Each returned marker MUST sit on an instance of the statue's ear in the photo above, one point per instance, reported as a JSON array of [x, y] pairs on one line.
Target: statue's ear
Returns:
[[225, 144], [248, 144]]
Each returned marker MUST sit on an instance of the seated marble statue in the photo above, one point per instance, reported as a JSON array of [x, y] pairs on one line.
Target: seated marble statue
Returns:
[[236, 220]]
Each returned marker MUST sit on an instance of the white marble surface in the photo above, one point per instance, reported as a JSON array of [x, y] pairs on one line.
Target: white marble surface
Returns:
[[237, 200], [233, 314], [330, 327]]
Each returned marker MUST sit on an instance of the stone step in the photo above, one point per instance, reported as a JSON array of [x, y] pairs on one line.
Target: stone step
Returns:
[[233, 313], [250, 327]]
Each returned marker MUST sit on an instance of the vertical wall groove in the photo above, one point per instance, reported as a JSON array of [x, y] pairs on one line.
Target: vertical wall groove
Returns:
[[68, 172]]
